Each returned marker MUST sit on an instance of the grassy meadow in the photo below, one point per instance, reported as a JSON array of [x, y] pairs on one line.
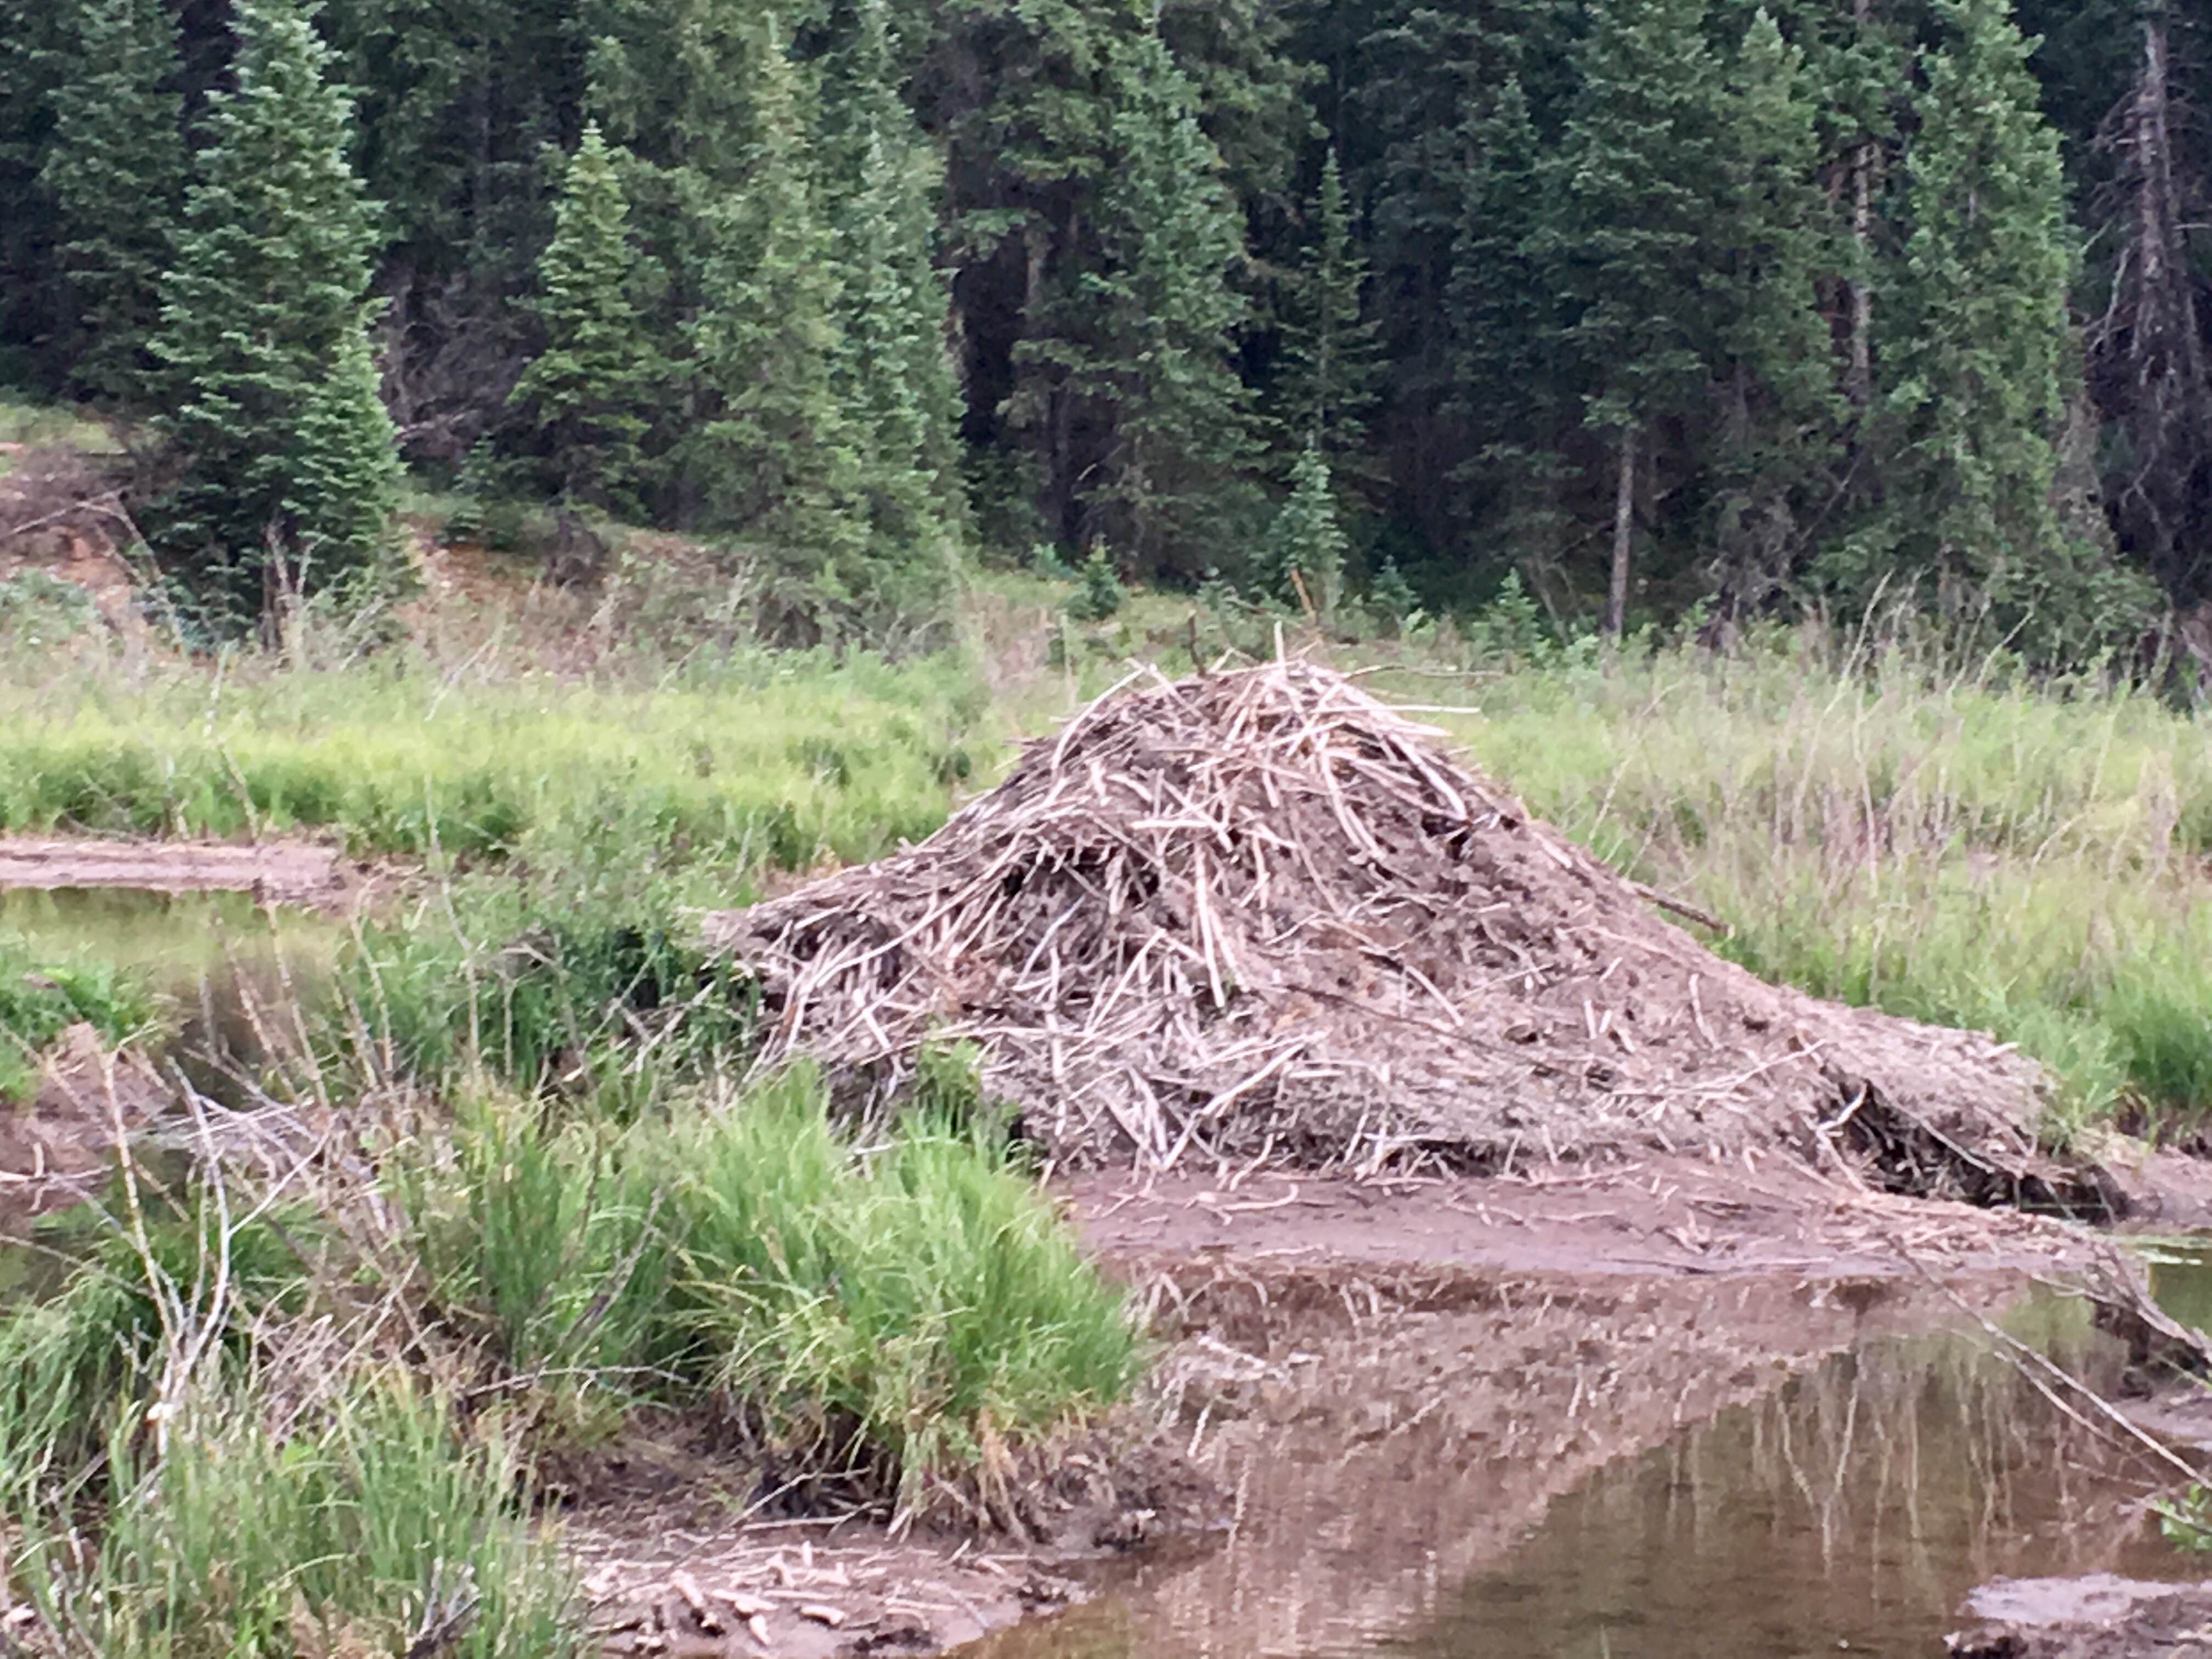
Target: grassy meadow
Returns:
[[560, 1198], [1886, 829]]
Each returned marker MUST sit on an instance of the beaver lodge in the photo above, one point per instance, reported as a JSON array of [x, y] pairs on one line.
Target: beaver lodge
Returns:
[[1258, 914]]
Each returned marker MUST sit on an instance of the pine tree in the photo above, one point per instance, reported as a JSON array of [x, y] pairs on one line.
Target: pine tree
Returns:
[[290, 475], [1304, 563], [1329, 370], [116, 174], [778, 460], [1155, 362], [1629, 236], [586, 390], [1975, 351], [895, 378]]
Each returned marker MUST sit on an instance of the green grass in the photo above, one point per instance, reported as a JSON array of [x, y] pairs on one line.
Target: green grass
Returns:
[[37, 424], [773, 761], [878, 1324], [231, 1428], [45, 988], [183, 1473], [1952, 846]]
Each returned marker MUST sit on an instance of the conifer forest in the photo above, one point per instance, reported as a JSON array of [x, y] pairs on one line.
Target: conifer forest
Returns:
[[1659, 308]]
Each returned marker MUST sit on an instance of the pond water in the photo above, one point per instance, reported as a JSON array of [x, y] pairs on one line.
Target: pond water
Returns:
[[1849, 1511], [221, 963]]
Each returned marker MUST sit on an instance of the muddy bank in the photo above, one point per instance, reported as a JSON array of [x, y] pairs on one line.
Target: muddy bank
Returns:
[[1679, 1216], [284, 871], [2097, 1616], [1390, 1385], [59, 1148]]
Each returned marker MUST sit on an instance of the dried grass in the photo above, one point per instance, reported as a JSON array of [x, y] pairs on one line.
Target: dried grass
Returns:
[[1258, 913]]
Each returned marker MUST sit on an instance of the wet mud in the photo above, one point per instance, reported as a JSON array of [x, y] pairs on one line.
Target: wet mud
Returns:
[[2095, 1616]]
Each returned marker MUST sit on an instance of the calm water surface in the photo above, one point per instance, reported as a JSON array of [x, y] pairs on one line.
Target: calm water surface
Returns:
[[1849, 1512]]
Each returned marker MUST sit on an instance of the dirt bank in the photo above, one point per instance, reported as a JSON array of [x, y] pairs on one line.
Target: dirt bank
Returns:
[[1359, 1371], [2097, 1616], [59, 1146], [282, 871], [1665, 1216]]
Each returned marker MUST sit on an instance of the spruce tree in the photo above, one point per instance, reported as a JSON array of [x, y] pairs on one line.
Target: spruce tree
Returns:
[[1771, 245], [1164, 314], [587, 391], [778, 459], [1629, 238], [1304, 564], [895, 378], [32, 303], [1974, 348], [1511, 371], [2150, 360], [1328, 381], [290, 477], [116, 175]]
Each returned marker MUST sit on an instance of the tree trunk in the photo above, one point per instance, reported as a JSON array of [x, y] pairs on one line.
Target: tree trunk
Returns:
[[1623, 525], [1858, 378]]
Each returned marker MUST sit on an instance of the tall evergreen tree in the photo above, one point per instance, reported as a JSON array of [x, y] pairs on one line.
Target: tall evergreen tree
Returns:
[[1155, 363], [33, 304], [896, 379], [116, 174], [290, 475], [1973, 348], [587, 391], [2149, 360], [778, 459], [1769, 246], [1327, 384], [1511, 366], [1629, 235], [461, 108]]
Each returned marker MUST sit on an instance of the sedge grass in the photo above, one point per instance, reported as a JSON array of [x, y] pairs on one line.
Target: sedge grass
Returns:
[[877, 1321], [770, 762], [1959, 847]]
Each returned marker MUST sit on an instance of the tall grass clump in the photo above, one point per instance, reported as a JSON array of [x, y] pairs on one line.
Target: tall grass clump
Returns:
[[363, 1529], [184, 1470], [884, 1324], [1953, 842], [583, 981], [885, 1321]]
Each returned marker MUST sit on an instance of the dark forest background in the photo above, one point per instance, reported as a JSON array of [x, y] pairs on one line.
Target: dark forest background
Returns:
[[1655, 307]]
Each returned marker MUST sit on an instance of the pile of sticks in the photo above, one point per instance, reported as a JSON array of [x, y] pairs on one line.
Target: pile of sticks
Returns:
[[1259, 912]]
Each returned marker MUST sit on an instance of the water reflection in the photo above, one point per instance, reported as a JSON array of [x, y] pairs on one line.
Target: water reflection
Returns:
[[228, 969], [1849, 1510]]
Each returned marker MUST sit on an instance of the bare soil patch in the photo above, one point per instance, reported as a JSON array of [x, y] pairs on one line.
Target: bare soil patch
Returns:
[[1661, 1216], [60, 1147]]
